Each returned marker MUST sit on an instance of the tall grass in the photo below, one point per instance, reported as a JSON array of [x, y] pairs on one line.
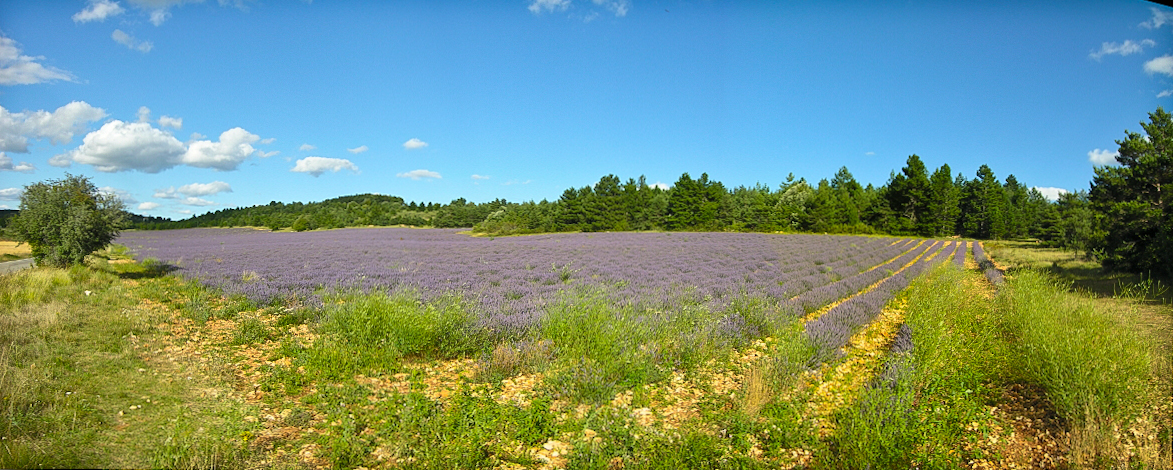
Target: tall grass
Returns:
[[1094, 363], [930, 394]]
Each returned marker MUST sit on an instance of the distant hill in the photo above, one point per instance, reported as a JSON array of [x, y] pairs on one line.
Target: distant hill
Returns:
[[346, 211]]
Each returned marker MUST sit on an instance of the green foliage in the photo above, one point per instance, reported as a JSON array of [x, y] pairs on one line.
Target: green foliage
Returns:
[[1093, 364], [983, 206], [399, 325], [932, 393], [1135, 203], [65, 220]]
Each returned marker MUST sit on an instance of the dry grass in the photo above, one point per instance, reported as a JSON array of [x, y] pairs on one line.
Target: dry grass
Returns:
[[11, 248]]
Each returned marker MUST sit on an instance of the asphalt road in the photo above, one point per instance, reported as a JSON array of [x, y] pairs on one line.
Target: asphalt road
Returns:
[[13, 266]]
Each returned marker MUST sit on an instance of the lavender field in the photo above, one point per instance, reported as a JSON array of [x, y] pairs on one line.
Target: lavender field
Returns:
[[513, 282]]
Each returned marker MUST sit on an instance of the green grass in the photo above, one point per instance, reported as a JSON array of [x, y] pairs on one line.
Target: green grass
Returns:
[[935, 390], [70, 374]]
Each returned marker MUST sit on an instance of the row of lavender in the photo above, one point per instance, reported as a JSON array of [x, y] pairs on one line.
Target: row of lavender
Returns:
[[520, 275], [993, 274], [831, 331]]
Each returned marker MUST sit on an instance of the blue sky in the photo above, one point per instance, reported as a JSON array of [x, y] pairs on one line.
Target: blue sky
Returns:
[[186, 106]]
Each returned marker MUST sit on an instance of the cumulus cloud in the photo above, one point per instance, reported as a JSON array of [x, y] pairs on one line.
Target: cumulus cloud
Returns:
[[59, 126], [1165, 93], [414, 144], [130, 42], [1162, 65], [419, 174], [1126, 48], [122, 194], [539, 6], [11, 194], [1102, 157], [146, 206], [172, 122], [19, 69], [205, 189], [480, 177], [659, 185], [6, 164], [1160, 18], [1052, 194], [358, 150], [234, 146], [306, 147], [195, 201], [318, 165], [98, 11], [124, 146]]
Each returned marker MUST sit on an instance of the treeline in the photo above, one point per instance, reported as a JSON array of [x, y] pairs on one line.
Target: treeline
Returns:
[[347, 211], [912, 202]]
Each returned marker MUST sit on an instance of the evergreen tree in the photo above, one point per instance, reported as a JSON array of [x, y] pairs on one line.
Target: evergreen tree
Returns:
[[1135, 200], [983, 206], [943, 206]]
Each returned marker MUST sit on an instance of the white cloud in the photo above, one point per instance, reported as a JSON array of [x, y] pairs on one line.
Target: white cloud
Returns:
[[159, 16], [267, 154], [196, 136], [414, 144], [318, 165], [618, 7], [195, 201], [1160, 18], [181, 211], [659, 185], [172, 122], [98, 11], [130, 42], [234, 146], [58, 126], [19, 69], [306, 147], [1127, 48], [480, 177], [147, 206], [1102, 157], [1165, 93], [358, 150], [1051, 194], [205, 189], [122, 194], [6, 164], [538, 6], [144, 114], [513, 182], [269, 140], [11, 194], [869, 153], [1163, 65], [123, 146], [419, 174]]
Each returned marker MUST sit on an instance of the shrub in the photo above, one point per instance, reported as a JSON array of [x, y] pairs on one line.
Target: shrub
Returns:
[[65, 220]]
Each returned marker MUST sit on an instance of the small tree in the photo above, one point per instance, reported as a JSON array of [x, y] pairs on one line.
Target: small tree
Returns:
[[65, 220]]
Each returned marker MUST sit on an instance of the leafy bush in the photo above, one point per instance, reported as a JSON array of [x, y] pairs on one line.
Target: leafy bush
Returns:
[[65, 220]]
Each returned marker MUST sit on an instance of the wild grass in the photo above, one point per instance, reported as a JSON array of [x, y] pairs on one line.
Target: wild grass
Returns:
[[930, 394], [74, 392], [1095, 365]]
